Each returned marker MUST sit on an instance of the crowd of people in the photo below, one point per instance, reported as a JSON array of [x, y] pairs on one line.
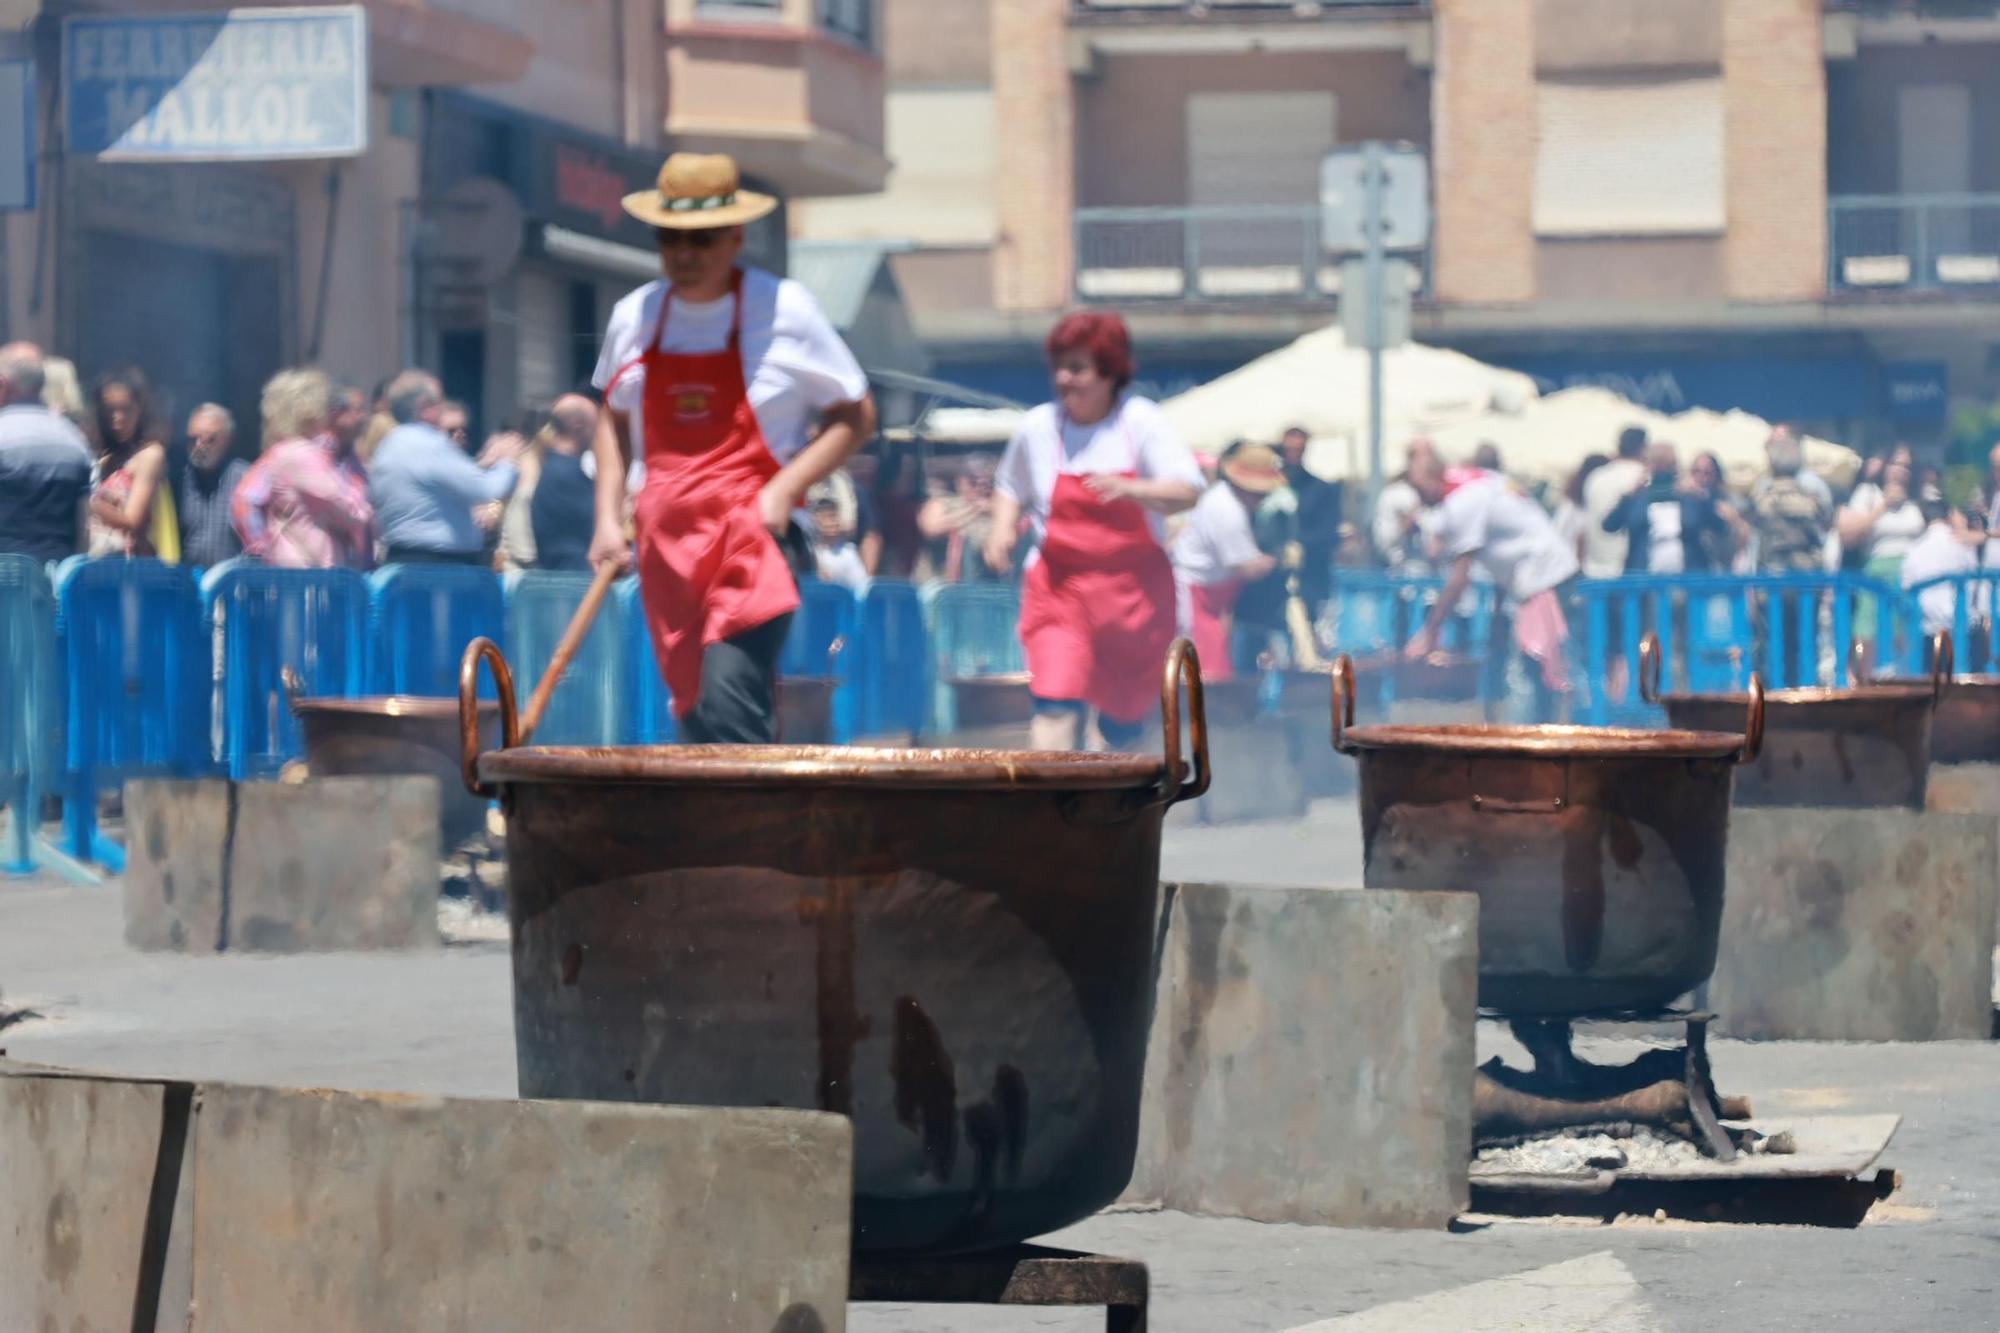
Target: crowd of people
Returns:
[[341, 478]]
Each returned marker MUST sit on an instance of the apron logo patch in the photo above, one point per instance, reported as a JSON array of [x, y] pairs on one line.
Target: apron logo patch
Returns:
[[692, 401]]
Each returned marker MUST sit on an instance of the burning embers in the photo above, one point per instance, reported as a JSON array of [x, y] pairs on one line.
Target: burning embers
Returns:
[[1663, 1096]]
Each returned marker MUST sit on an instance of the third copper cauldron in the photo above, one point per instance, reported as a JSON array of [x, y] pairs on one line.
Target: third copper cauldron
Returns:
[[1861, 746], [1965, 729], [1597, 853], [953, 948]]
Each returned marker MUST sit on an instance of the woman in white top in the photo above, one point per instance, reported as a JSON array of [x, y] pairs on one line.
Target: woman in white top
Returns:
[[1881, 523], [1094, 473], [1216, 552]]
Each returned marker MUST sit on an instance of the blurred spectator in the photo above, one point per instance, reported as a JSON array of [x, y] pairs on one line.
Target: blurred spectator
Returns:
[[1399, 542], [44, 464], [1880, 524], [956, 524], [304, 503], [1792, 517], [886, 510], [1569, 517], [380, 423], [207, 482], [510, 527], [1217, 556], [1319, 513], [1725, 545], [1605, 548], [351, 408], [563, 504], [456, 423], [1674, 529], [131, 509], [62, 391], [1486, 457], [425, 489], [837, 558], [1945, 548]]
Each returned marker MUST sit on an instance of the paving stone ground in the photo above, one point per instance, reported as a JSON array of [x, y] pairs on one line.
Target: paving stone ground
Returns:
[[441, 1022]]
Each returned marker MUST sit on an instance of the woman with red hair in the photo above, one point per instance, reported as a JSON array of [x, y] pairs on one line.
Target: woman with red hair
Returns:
[[1094, 472]]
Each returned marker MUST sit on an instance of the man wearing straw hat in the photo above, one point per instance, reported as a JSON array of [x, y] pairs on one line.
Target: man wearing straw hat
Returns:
[[1216, 553], [742, 397]]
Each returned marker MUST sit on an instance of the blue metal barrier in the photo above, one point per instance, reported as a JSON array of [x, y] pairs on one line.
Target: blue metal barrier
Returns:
[[422, 616], [827, 615], [1715, 629], [648, 716], [1968, 600], [30, 722], [589, 701], [139, 677], [262, 620], [974, 631], [891, 670]]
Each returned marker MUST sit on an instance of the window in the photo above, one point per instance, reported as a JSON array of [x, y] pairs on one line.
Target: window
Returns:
[[852, 19], [1629, 157], [738, 9]]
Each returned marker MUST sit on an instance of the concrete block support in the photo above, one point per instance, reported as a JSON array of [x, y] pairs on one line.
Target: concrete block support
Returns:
[[222, 1209], [332, 863], [1858, 925], [1311, 1056]]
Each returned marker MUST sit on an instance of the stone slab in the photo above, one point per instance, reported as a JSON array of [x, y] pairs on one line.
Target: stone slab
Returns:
[[1311, 1056], [335, 863], [1971, 789], [1258, 771], [174, 864], [77, 1164], [349, 1213], [1858, 925]]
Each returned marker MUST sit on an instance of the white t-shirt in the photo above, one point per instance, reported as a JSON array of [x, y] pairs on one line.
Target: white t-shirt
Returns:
[[1665, 552], [1216, 539], [1503, 528], [1895, 532], [1399, 546], [1604, 552], [1133, 437], [1935, 554], [794, 363]]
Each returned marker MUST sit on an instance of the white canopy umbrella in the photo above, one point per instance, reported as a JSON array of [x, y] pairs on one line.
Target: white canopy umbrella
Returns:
[[1321, 384], [1551, 435]]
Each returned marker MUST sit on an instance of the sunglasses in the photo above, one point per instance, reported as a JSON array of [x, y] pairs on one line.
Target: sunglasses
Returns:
[[704, 239]]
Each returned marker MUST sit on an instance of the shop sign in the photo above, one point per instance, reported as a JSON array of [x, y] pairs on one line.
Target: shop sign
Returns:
[[1916, 390], [17, 144], [236, 85]]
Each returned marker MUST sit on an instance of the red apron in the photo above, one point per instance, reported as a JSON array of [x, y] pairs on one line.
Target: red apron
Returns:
[[1210, 606], [708, 567], [1097, 610]]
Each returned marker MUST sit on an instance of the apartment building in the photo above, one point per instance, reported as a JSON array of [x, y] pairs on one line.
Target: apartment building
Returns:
[[477, 230], [1789, 206]]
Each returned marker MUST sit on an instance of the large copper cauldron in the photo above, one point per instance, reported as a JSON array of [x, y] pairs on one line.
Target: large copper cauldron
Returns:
[[1965, 728], [954, 948], [397, 734], [1866, 745], [1597, 853]]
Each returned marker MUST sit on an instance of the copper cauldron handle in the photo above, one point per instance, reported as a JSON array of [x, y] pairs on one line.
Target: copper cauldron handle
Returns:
[[1183, 671], [1649, 667], [1753, 725], [295, 688], [1941, 664], [1343, 701], [468, 710]]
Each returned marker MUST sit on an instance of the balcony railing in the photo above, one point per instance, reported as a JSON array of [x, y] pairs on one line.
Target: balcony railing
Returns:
[[1208, 254], [1287, 9], [1913, 242]]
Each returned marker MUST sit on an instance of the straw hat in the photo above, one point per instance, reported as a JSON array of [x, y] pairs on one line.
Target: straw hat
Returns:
[[696, 192], [1256, 468]]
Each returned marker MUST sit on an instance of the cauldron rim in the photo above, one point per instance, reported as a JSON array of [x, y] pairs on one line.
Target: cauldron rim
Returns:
[[389, 705], [1548, 741], [1880, 693], [822, 766]]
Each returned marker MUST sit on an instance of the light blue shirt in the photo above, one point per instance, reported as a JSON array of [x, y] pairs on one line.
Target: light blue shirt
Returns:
[[424, 490]]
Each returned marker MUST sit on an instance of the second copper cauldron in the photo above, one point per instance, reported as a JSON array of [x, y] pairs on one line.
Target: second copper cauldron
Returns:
[[1597, 853], [1861, 746], [1965, 729], [953, 948], [394, 734]]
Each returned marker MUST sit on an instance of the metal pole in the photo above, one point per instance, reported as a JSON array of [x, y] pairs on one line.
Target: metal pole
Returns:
[[1371, 170]]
